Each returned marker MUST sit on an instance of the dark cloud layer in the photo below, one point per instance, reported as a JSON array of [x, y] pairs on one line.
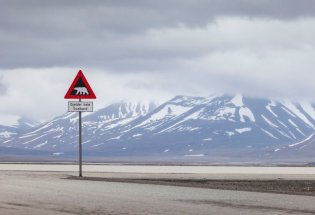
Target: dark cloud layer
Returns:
[[153, 50], [36, 33]]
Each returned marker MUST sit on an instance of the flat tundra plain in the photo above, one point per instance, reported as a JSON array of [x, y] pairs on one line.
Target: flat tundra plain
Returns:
[[131, 189]]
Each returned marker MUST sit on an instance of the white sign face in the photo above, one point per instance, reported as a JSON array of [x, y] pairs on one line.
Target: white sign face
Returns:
[[74, 106]]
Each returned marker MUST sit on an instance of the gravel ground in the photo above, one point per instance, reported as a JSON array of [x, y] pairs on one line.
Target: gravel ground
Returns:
[[294, 187], [24, 192]]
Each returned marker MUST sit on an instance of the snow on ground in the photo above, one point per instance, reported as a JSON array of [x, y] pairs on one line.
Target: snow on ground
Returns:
[[225, 112], [242, 130], [303, 141], [69, 115], [269, 107], [292, 123], [114, 138], [297, 112], [57, 153], [230, 133], [269, 122], [6, 134], [24, 143], [269, 134], [238, 100], [40, 145], [167, 111], [246, 112], [27, 135], [118, 123], [309, 109], [196, 155], [41, 128]]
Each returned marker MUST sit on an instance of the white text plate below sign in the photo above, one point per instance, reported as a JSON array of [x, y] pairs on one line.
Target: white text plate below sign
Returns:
[[74, 106]]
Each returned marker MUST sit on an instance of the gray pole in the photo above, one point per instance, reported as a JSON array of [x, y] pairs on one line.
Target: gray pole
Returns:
[[80, 143]]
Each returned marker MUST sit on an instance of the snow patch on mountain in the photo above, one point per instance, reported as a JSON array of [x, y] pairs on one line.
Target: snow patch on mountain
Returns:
[[6, 134], [269, 134], [297, 113], [167, 111], [238, 100], [269, 107], [303, 141], [269, 122], [246, 113], [224, 113], [242, 130], [309, 109]]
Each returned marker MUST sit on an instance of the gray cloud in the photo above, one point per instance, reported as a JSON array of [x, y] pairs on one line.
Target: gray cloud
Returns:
[[138, 85], [145, 49], [108, 33], [3, 86]]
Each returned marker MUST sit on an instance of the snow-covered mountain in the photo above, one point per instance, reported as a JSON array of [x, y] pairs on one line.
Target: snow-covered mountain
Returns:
[[220, 126], [61, 134], [13, 125]]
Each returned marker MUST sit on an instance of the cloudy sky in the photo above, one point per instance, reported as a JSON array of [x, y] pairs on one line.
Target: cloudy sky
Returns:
[[148, 49]]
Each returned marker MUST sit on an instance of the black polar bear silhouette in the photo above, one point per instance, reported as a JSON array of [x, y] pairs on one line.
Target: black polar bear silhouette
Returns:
[[81, 91]]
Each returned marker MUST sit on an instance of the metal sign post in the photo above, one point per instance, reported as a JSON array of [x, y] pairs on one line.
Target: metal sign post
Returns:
[[80, 89], [80, 142]]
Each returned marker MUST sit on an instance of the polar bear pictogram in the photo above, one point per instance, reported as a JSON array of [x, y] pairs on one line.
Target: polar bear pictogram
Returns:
[[81, 91]]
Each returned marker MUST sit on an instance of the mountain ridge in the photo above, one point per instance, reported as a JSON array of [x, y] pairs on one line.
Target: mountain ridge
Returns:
[[186, 126]]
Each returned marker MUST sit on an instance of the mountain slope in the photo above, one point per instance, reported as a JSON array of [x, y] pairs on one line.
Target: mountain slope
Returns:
[[219, 125], [197, 125], [61, 134], [13, 125]]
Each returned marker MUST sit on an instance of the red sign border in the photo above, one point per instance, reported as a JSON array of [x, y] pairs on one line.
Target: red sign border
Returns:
[[91, 93]]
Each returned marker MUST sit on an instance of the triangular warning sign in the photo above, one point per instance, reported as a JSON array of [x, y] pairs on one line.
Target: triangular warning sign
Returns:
[[80, 88]]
